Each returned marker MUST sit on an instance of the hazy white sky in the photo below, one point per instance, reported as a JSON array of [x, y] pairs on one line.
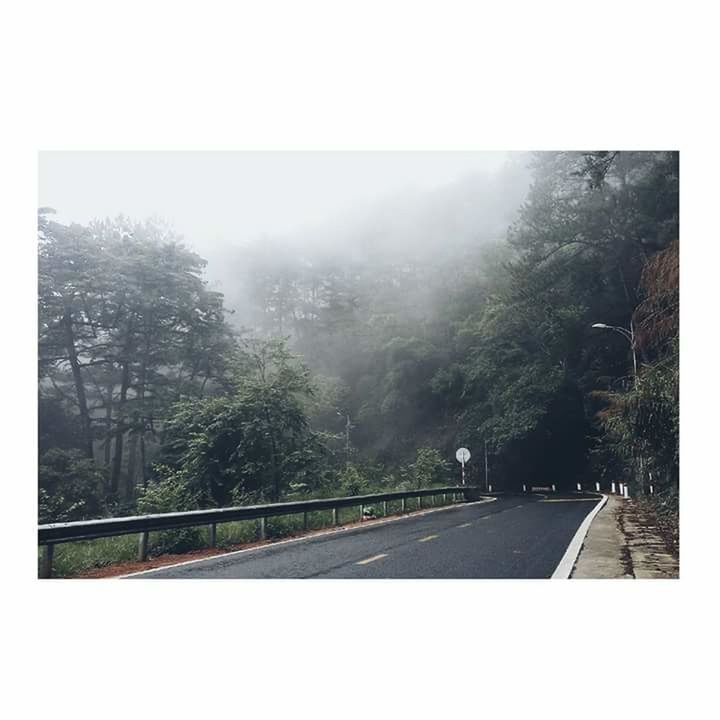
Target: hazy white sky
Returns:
[[216, 198]]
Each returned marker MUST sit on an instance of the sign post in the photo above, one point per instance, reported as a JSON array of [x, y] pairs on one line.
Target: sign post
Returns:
[[462, 456]]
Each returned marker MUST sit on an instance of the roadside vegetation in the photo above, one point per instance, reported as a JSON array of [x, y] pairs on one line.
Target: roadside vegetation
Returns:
[[362, 369]]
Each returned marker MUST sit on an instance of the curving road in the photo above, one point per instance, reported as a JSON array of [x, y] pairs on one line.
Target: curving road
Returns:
[[511, 537]]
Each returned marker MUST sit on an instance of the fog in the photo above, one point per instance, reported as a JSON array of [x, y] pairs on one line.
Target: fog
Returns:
[[217, 198], [367, 314], [367, 206]]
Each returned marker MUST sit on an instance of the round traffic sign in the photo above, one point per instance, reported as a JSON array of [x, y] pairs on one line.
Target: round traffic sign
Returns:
[[462, 455]]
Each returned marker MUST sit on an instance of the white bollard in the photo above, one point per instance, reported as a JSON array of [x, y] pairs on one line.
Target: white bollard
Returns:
[[652, 490], [489, 488], [612, 488], [143, 542], [553, 487], [626, 492], [597, 487], [524, 488], [579, 487]]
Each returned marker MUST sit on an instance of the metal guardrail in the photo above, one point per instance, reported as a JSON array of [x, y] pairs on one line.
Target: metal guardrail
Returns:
[[55, 533]]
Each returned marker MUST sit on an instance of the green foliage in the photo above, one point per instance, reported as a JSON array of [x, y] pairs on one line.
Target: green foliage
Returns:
[[461, 341], [70, 487], [126, 324], [642, 422], [170, 493], [252, 443], [73, 558], [429, 468], [353, 481]]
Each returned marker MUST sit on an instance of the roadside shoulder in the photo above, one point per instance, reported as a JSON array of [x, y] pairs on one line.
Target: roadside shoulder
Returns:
[[619, 544]]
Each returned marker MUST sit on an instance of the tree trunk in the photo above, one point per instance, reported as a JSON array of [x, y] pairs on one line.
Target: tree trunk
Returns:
[[79, 385], [120, 430], [108, 422], [142, 459], [132, 460]]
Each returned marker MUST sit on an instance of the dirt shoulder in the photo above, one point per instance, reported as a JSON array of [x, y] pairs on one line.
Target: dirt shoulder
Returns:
[[624, 541]]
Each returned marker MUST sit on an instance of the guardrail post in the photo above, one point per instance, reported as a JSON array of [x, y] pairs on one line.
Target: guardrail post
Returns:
[[212, 534], [262, 530], [362, 510], [403, 505], [385, 507], [46, 561], [419, 502], [335, 516], [143, 539], [305, 521], [444, 498]]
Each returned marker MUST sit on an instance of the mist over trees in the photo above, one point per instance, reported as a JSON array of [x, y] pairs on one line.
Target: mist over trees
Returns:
[[360, 355]]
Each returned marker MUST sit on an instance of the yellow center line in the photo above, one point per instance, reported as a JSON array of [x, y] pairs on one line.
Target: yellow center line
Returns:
[[429, 537], [465, 525], [371, 559]]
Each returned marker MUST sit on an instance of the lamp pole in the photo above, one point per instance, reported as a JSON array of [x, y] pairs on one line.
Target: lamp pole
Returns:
[[629, 335], [348, 425]]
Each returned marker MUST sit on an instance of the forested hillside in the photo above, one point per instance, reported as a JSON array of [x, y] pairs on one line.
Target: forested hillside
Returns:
[[362, 361]]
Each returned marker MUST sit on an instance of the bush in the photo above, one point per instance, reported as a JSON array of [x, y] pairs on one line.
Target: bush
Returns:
[[170, 494], [70, 487], [353, 481], [664, 509], [429, 468]]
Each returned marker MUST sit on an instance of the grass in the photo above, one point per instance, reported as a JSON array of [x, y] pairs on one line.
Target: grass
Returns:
[[72, 558]]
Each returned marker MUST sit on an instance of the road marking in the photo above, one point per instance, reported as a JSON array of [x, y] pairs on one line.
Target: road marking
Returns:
[[465, 525], [304, 538], [572, 500], [429, 537], [565, 567], [371, 559]]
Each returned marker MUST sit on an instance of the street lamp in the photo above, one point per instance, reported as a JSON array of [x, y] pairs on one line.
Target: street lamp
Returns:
[[629, 335], [348, 425]]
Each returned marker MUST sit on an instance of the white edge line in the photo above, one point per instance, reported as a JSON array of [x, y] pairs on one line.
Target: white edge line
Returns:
[[563, 570], [305, 538]]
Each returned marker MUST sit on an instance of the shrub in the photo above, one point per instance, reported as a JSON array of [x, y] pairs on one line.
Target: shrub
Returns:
[[429, 468], [353, 481], [70, 487], [170, 494]]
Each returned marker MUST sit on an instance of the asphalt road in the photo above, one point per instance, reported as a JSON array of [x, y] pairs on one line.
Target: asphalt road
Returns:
[[512, 537]]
